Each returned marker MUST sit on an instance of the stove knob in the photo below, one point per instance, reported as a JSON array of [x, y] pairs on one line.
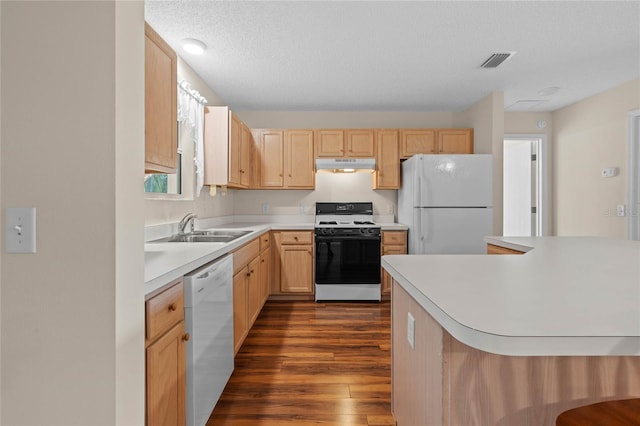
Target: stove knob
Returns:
[[332, 231], [363, 230]]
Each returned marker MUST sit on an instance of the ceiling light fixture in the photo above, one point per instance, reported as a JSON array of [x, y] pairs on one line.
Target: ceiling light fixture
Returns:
[[193, 46], [548, 91]]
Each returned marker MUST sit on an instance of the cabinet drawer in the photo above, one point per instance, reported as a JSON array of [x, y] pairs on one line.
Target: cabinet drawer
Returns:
[[394, 250], [394, 237], [164, 311], [289, 237], [264, 241], [243, 255]]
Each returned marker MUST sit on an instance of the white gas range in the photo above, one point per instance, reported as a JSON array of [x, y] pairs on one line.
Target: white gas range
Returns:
[[347, 259]]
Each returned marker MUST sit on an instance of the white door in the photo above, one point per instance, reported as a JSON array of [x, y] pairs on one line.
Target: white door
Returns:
[[523, 188]]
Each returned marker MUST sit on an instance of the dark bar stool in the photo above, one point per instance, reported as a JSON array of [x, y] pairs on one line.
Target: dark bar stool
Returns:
[[624, 412]]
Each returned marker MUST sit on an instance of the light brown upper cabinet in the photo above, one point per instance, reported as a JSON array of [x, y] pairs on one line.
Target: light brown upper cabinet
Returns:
[[435, 141], [246, 154], [360, 143], [387, 174], [329, 143], [417, 141], [285, 159], [228, 149], [161, 131], [299, 160], [352, 143], [455, 141], [269, 158]]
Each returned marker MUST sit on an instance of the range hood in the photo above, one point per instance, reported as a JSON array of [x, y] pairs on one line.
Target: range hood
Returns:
[[346, 165]]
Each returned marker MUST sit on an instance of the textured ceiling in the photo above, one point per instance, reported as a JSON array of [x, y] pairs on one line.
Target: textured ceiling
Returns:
[[403, 55]]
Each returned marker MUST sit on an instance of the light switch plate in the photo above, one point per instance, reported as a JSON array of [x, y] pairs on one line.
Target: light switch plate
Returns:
[[20, 230]]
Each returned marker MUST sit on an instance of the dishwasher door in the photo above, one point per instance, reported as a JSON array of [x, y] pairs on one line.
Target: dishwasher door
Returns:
[[209, 321]]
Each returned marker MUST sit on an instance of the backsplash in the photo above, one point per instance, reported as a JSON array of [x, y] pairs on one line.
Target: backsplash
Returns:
[[329, 187]]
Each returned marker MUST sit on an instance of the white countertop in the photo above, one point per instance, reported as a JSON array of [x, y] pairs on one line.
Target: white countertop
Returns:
[[565, 296], [165, 262]]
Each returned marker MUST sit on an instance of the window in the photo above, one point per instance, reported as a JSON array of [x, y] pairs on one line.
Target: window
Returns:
[[181, 185], [162, 183]]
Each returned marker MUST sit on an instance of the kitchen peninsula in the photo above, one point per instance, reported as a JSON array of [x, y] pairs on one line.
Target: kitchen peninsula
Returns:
[[515, 339]]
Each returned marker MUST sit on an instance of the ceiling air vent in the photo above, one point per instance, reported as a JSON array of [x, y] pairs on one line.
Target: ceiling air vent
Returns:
[[496, 59]]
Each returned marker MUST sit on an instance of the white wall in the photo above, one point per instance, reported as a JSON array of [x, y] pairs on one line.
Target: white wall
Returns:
[[129, 218], [486, 117], [1, 210], [72, 136], [588, 136], [344, 119]]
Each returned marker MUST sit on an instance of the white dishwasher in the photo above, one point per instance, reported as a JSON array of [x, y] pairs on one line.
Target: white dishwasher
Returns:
[[208, 314]]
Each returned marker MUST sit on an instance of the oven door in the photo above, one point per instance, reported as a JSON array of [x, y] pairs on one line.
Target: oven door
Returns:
[[347, 260]]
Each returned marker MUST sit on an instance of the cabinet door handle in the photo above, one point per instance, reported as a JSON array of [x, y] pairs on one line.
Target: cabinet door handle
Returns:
[[173, 307], [262, 260], [295, 238], [251, 272], [186, 337], [248, 274]]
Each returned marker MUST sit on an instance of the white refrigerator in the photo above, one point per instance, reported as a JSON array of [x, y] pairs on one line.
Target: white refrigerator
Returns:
[[446, 200]]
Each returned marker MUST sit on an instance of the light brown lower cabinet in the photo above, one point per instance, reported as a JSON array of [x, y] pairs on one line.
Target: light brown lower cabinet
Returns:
[[250, 285], [292, 263], [240, 322], [245, 286], [166, 357], [393, 242], [265, 268], [493, 249]]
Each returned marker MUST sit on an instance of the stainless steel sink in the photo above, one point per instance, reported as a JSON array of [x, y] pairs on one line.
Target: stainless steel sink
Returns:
[[217, 236]]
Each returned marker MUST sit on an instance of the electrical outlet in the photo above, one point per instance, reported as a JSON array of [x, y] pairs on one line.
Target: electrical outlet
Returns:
[[621, 210], [411, 330], [265, 208]]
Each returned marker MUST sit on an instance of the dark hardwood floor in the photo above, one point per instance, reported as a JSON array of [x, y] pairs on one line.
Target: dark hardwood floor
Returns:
[[312, 363]]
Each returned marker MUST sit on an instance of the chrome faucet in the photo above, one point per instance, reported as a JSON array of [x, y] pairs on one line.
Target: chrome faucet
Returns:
[[189, 217]]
